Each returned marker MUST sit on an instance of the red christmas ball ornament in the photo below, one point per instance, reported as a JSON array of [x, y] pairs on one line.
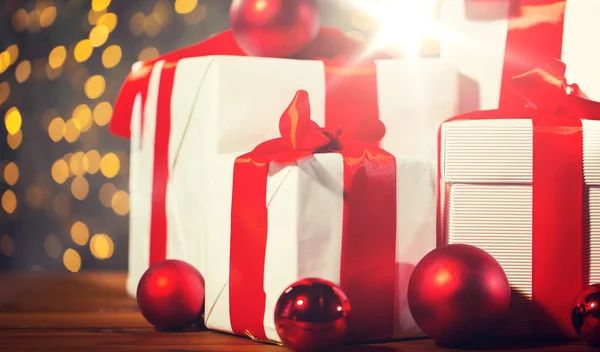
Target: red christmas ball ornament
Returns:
[[458, 295], [170, 295], [311, 315], [585, 316], [274, 28]]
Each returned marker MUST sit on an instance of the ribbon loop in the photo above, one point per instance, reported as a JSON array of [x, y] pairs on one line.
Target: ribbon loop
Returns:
[[546, 89], [300, 135]]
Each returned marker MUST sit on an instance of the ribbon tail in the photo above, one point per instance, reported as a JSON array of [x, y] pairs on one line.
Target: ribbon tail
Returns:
[[248, 242], [368, 262]]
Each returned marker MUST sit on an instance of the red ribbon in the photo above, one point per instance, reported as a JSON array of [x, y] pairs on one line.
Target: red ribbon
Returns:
[[558, 185], [368, 263], [346, 79]]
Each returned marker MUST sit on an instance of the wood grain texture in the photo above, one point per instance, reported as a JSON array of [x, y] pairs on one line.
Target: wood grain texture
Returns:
[[91, 312]]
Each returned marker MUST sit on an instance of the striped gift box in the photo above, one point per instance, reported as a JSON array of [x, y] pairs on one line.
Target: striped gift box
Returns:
[[486, 178]]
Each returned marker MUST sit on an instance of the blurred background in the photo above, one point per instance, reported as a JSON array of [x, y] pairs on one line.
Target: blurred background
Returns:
[[63, 177]]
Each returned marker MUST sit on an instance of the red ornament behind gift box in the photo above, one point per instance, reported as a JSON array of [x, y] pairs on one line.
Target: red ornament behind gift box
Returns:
[[458, 294], [586, 315], [274, 28], [310, 315], [170, 295]]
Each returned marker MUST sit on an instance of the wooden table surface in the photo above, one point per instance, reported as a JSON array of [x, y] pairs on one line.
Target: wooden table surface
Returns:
[[91, 312]]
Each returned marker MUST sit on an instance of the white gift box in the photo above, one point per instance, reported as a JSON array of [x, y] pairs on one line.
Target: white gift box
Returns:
[[486, 196], [228, 105], [475, 40], [305, 215]]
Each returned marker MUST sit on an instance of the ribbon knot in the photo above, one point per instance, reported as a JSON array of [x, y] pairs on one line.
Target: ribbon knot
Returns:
[[546, 89], [301, 136]]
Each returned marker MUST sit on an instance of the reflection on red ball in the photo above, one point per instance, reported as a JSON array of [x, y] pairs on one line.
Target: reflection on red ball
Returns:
[[458, 295], [311, 314], [586, 315], [274, 28], [170, 295]]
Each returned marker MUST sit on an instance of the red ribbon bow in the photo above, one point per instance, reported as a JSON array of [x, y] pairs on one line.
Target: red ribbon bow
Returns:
[[300, 136], [546, 89], [368, 259]]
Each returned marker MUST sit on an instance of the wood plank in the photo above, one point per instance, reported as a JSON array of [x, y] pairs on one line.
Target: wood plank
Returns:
[[91, 312]]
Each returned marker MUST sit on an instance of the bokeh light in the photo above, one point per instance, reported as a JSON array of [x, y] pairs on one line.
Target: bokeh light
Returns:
[[105, 194], [120, 203], [72, 260], [9, 201], [110, 165], [80, 233], [102, 246], [11, 173]]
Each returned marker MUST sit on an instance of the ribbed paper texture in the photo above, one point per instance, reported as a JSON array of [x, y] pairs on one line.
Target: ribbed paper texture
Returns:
[[486, 166], [500, 151]]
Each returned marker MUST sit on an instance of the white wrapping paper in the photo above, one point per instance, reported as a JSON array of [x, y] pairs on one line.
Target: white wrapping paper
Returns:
[[475, 39], [228, 105]]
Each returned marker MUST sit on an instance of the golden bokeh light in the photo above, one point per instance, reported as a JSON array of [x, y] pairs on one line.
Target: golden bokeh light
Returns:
[[53, 73], [109, 20], [111, 56], [100, 5], [99, 35], [76, 164], [62, 205], [82, 114], [137, 23], [110, 165], [72, 260], [103, 113], [152, 26], [163, 12], [94, 86], [4, 92], [106, 193], [80, 187], [72, 131], [47, 16], [185, 6], [9, 201], [34, 196], [11, 173], [33, 24], [94, 16], [57, 57], [13, 120], [148, 53], [56, 129], [83, 50], [120, 203], [20, 19], [23, 71], [91, 161], [53, 247], [6, 245], [102, 246], [80, 233], [13, 53], [196, 16], [14, 140], [60, 171]]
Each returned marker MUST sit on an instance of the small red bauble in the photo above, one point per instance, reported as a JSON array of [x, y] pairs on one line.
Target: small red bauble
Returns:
[[311, 315], [586, 315], [274, 28], [170, 295], [458, 295]]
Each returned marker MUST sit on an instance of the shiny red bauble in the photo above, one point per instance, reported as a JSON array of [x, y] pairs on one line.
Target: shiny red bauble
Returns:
[[170, 295], [311, 315], [585, 315], [274, 28], [458, 295]]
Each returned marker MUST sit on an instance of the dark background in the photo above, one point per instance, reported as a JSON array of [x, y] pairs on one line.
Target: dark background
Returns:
[[63, 178]]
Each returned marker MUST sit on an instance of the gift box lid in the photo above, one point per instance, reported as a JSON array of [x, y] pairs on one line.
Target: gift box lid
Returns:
[[501, 151]]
